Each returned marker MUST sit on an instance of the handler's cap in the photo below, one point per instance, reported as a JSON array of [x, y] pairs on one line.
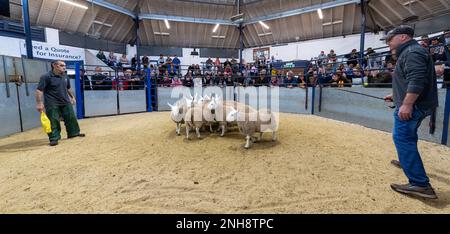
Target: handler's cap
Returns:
[[402, 29]]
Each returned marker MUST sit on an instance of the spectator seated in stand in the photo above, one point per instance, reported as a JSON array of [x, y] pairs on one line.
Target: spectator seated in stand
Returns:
[[134, 62], [123, 61], [217, 65], [197, 70], [85, 81], [274, 81], [112, 59], [261, 80], [120, 83], [176, 64], [424, 42], [228, 70], [352, 58], [248, 81], [188, 81], [325, 79], [357, 76], [99, 80], [313, 81], [166, 81], [238, 78], [373, 59], [100, 55], [332, 57], [209, 64], [340, 80], [322, 59], [290, 81], [437, 50], [380, 79], [226, 63], [161, 64], [229, 80], [145, 61], [303, 81], [208, 80], [135, 81], [349, 71], [176, 81]]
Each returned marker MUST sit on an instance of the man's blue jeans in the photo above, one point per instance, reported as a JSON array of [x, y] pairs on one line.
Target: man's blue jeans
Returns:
[[405, 140]]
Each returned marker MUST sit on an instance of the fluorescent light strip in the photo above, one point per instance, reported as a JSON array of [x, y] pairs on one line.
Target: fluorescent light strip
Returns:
[[330, 23], [161, 33], [167, 24], [101, 23], [264, 34], [219, 37], [409, 2], [319, 11], [264, 25], [74, 4], [215, 28]]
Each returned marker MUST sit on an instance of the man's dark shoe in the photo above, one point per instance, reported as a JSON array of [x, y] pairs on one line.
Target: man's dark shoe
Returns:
[[396, 163], [423, 192], [53, 143], [79, 135]]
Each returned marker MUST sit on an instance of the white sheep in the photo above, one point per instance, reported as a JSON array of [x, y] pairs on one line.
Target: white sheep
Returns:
[[220, 109], [250, 123], [180, 108], [178, 112], [194, 118]]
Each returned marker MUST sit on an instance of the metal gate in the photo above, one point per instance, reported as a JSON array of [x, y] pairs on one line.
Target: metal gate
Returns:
[[107, 91]]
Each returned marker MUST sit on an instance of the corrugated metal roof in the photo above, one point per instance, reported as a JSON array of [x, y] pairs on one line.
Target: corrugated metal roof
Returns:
[[114, 26]]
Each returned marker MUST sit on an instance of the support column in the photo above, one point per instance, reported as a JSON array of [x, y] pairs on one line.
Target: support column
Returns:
[[241, 45], [27, 27], [363, 32], [137, 43], [79, 83]]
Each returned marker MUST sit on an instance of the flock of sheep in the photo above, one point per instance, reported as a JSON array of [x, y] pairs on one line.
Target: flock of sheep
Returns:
[[198, 112]]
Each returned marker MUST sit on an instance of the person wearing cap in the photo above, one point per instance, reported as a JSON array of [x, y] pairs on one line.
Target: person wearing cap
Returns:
[[54, 86], [415, 96]]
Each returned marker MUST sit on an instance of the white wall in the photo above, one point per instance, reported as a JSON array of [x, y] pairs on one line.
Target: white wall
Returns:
[[10, 46], [52, 36], [310, 49], [131, 51]]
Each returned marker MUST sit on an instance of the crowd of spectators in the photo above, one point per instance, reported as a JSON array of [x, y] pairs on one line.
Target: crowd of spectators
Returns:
[[126, 79], [375, 69]]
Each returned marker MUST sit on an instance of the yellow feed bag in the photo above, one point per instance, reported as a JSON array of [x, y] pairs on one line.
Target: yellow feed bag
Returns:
[[45, 123]]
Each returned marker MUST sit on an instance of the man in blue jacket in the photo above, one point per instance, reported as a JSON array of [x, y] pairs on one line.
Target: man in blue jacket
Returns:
[[415, 95]]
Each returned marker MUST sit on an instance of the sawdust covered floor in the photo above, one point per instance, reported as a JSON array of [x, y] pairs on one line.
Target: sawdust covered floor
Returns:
[[136, 164]]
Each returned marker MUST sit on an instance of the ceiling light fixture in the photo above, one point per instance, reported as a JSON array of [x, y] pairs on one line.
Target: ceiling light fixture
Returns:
[[74, 4], [264, 25], [167, 24], [215, 28], [319, 11]]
